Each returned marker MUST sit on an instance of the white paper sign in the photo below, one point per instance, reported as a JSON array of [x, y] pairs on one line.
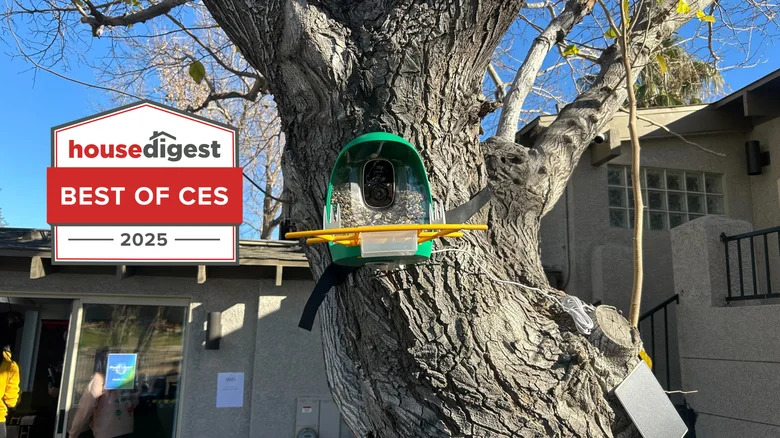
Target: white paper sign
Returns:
[[230, 390]]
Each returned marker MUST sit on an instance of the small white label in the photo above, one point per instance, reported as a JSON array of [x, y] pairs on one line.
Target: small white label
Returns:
[[306, 410], [230, 390]]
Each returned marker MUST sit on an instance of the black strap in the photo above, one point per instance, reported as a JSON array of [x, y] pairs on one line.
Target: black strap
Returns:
[[463, 212], [334, 275]]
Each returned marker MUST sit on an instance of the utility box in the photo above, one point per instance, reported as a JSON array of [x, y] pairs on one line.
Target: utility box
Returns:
[[318, 417]]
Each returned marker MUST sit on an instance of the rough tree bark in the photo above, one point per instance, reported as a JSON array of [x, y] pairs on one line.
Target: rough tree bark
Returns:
[[438, 349]]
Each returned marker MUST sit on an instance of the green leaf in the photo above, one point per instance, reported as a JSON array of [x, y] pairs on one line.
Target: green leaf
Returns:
[[704, 17], [627, 6], [571, 50], [197, 71], [683, 7], [661, 63], [611, 33]]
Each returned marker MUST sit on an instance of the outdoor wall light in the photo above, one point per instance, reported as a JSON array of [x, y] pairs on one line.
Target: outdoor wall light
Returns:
[[213, 330], [755, 159]]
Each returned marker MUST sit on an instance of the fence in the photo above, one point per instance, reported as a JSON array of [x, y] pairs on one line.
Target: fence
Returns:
[[650, 315], [759, 278]]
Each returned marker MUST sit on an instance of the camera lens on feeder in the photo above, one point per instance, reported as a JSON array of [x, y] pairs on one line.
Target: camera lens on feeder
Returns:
[[378, 194], [378, 183]]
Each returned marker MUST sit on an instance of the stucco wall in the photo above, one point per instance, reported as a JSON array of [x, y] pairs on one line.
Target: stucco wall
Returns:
[[728, 353], [260, 338], [601, 267], [765, 188], [765, 194]]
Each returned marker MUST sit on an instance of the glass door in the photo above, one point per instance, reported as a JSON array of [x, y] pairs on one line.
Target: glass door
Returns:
[[65, 389], [124, 371]]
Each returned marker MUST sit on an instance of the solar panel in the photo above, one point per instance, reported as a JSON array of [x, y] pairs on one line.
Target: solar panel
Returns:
[[648, 405]]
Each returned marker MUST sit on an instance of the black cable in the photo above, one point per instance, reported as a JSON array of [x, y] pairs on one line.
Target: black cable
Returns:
[[263, 191]]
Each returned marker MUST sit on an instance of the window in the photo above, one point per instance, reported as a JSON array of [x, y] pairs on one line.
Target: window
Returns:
[[671, 197], [128, 365]]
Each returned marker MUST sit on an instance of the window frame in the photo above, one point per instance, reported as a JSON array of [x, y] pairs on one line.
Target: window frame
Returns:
[[664, 190]]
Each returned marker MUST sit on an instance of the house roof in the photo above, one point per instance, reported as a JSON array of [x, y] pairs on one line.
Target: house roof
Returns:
[[755, 99], [772, 79], [732, 113], [26, 242]]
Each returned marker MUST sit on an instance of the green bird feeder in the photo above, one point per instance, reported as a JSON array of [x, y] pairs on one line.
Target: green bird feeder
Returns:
[[379, 208]]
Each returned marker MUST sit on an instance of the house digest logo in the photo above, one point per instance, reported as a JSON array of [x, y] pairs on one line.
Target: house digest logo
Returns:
[[144, 183], [157, 148]]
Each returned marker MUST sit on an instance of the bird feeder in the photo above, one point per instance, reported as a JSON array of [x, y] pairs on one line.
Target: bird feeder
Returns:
[[379, 207]]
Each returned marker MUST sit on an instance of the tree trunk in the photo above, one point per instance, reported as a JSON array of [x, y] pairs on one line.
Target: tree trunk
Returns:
[[437, 349]]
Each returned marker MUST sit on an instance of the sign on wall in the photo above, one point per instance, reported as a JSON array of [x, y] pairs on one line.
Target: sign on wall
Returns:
[[230, 390], [120, 370], [144, 183]]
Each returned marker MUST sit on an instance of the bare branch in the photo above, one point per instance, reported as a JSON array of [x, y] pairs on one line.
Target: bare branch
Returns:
[[97, 20], [683, 139], [60, 75], [211, 52], [79, 8], [500, 91], [251, 96], [536, 5], [264, 192], [572, 14]]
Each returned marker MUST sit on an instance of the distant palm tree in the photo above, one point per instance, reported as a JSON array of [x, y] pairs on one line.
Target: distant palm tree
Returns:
[[677, 77]]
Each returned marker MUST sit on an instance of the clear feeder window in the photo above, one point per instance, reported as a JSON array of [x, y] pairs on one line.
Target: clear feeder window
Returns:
[[380, 191]]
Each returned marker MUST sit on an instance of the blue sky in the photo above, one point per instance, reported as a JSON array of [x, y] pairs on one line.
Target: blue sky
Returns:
[[34, 102]]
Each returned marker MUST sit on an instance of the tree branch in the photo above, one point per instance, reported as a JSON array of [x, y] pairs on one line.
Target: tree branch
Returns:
[[683, 139], [251, 96], [211, 52], [97, 20], [558, 28], [60, 75], [500, 91], [257, 186], [560, 146]]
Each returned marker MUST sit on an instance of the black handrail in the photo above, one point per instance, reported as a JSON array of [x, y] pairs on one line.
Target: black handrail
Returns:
[[750, 234], [768, 293], [647, 314], [651, 315]]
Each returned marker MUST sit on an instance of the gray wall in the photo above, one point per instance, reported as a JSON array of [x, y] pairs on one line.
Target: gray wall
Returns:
[[766, 187], [765, 195], [601, 265], [729, 354], [261, 339]]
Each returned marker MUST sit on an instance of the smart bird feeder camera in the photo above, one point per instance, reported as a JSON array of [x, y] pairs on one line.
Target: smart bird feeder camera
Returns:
[[379, 208]]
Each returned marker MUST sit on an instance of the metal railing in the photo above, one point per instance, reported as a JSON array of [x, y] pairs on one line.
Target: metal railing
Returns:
[[761, 282], [650, 314]]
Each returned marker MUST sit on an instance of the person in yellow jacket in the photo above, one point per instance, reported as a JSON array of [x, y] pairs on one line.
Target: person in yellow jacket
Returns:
[[9, 386]]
